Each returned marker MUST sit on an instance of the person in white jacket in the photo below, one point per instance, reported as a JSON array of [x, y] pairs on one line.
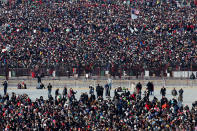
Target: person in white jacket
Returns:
[[109, 82], [133, 87]]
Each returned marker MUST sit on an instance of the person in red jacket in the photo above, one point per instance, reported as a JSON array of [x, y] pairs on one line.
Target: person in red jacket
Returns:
[[148, 106]]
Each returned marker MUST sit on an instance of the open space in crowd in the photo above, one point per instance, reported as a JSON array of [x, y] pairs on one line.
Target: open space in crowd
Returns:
[[128, 109], [92, 34]]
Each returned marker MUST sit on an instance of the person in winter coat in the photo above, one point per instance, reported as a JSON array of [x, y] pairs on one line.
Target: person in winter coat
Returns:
[[109, 82], [84, 97], [91, 90], [92, 97], [98, 90], [39, 78], [147, 94], [5, 87], [139, 88], [181, 92], [64, 93], [163, 100], [180, 97], [107, 90], [19, 86], [56, 93], [49, 89], [163, 91], [149, 88], [102, 90], [174, 92], [72, 94], [132, 87]]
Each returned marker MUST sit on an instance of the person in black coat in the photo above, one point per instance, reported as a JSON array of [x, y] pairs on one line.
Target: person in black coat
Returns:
[[39, 78], [181, 92], [92, 98], [180, 97], [64, 93], [49, 89], [163, 91], [98, 90], [163, 100], [101, 90], [5, 86], [84, 97], [107, 90], [139, 88], [150, 87], [56, 93], [174, 92], [91, 90]]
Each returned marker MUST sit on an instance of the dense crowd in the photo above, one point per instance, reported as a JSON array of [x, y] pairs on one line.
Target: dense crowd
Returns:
[[90, 34], [127, 110]]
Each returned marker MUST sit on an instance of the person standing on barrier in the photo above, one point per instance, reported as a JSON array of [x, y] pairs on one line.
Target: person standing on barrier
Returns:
[[5, 86], [49, 89]]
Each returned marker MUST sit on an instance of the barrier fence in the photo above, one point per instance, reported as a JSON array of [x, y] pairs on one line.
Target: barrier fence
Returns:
[[98, 72], [17, 72]]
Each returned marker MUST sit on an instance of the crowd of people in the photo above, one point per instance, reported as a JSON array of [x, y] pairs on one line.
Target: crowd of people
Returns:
[[90, 34], [126, 110], [86, 34]]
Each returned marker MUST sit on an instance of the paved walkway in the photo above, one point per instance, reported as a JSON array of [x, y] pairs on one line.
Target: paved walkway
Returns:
[[116, 83]]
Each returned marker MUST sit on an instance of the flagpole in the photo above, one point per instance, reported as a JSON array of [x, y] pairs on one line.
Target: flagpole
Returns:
[[130, 14]]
